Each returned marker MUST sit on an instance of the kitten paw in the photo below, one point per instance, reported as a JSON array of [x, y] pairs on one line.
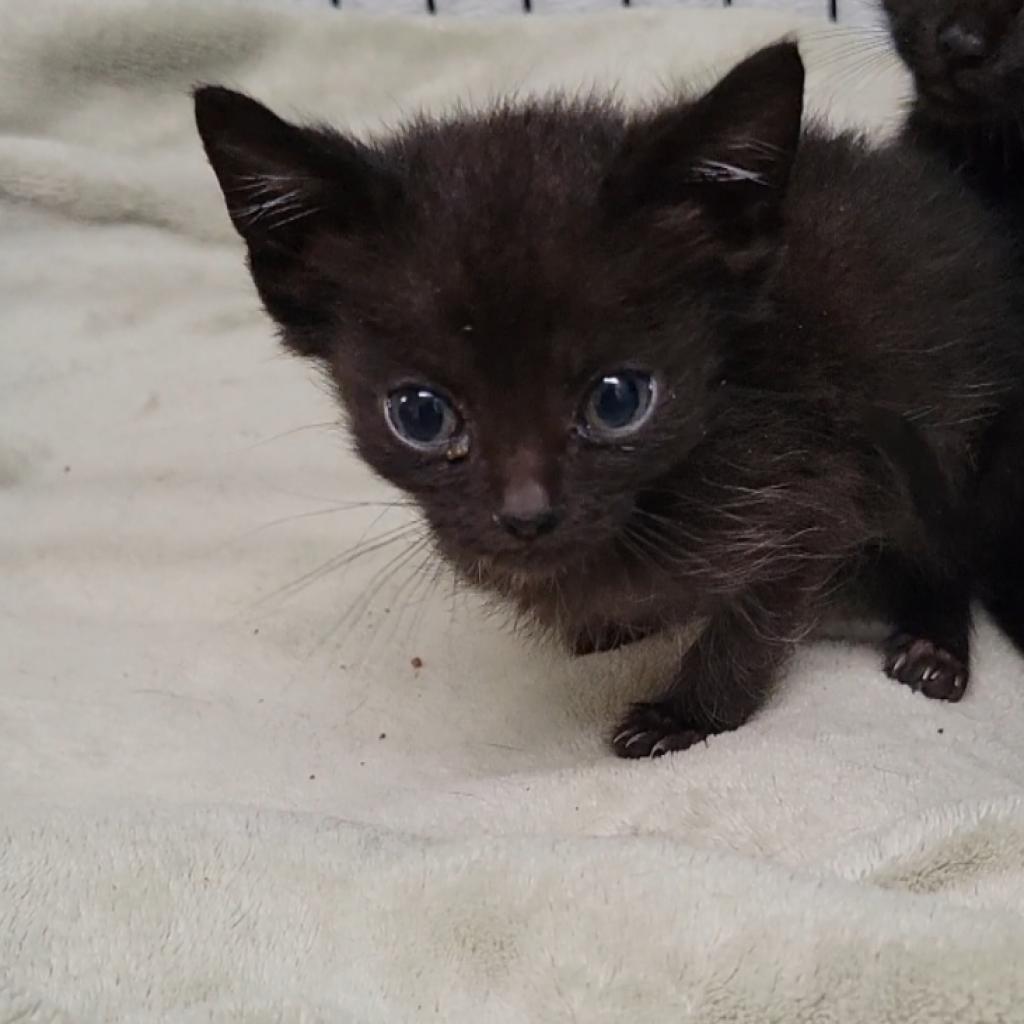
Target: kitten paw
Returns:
[[924, 666], [653, 730]]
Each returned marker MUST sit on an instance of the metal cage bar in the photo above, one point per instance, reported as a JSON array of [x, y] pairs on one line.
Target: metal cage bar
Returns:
[[830, 7]]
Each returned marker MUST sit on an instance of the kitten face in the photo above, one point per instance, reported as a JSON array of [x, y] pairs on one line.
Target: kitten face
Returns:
[[523, 311], [967, 57], [512, 394]]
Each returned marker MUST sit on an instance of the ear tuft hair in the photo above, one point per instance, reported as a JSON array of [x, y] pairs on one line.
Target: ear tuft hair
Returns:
[[278, 179], [730, 152]]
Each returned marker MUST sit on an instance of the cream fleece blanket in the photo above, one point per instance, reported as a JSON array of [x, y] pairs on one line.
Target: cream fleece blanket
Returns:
[[224, 800]]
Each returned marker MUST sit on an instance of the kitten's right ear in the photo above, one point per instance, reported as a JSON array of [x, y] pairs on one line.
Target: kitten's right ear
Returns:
[[280, 180], [286, 187], [729, 153]]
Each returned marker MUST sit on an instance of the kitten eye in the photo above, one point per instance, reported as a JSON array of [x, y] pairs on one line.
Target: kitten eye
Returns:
[[619, 404], [421, 417]]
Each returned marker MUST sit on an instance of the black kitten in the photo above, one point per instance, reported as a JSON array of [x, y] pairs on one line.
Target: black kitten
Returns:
[[967, 58], [641, 368]]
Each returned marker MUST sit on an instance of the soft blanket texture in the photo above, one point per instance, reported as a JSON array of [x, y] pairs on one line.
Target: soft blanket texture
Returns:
[[224, 800]]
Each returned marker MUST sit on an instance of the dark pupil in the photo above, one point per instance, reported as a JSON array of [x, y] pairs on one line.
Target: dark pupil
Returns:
[[617, 401], [421, 415]]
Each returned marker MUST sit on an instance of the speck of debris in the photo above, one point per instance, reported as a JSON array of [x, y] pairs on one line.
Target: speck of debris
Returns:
[[941, 731], [67, 469], [256, 631], [383, 736], [259, 700], [362, 764], [416, 662], [312, 777]]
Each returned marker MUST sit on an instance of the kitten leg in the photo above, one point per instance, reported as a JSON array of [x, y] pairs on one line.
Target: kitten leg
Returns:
[[607, 637], [725, 677], [1004, 589], [930, 650], [999, 522], [927, 593]]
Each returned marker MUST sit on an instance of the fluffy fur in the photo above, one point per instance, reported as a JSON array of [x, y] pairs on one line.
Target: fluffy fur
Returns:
[[834, 333]]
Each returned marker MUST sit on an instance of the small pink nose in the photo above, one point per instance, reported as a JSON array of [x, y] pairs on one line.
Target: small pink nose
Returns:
[[526, 510]]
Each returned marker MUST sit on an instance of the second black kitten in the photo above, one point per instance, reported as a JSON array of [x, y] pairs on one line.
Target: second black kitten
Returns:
[[641, 368], [967, 59]]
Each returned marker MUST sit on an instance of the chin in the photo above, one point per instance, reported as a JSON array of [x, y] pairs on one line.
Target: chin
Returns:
[[529, 565]]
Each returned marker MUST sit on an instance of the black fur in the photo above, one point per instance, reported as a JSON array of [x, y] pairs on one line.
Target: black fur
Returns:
[[815, 316]]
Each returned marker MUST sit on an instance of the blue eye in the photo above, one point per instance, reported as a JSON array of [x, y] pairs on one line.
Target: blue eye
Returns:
[[618, 404], [421, 417]]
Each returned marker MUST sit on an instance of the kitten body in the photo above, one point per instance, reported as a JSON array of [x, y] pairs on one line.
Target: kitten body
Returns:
[[677, 361]]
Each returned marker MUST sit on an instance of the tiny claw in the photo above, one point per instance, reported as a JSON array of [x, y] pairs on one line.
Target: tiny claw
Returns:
[[927, 667], [637, 738]]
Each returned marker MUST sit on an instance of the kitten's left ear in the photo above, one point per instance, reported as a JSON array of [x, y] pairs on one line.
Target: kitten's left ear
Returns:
[[730, 152]]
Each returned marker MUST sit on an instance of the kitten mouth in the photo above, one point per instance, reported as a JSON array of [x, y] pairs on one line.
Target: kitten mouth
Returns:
[[956, 103], [538, 565], [969, 94], [529, 565]]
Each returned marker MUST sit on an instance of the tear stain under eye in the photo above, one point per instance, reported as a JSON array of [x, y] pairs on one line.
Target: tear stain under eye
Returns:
[[458, 449]]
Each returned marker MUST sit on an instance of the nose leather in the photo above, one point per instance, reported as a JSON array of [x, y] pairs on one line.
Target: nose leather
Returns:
[[529, 529], [963, 41], [525, 499], [526, 510]]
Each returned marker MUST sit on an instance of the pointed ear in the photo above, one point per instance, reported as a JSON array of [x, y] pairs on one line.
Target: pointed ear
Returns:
[[287, 187], [279, 179], [730, 152]]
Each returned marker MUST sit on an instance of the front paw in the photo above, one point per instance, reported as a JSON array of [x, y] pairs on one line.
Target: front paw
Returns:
[[923, 665], [652, 730]]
